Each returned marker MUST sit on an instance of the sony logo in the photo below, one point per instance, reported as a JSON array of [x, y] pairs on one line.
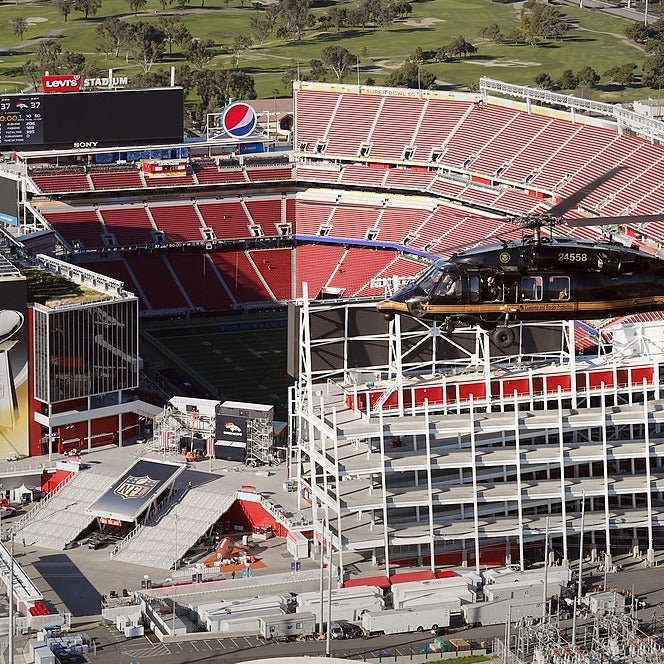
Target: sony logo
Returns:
[[86, 144]]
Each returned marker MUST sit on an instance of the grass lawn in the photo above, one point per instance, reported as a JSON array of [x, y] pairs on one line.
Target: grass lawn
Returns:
[[237, 359], [596, 40]]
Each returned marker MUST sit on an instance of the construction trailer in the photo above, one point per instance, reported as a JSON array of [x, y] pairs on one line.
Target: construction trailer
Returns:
[[496, 613], [399, 621], [287, 626]]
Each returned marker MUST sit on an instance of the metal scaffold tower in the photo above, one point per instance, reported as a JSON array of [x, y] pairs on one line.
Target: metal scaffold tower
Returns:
[[171, 425]]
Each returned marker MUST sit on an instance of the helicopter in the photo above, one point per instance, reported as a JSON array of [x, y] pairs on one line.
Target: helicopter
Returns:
[[540, 277]]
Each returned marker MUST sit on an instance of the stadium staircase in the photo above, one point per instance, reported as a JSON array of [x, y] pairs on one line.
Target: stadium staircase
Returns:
[[63, 515], [168, 536]]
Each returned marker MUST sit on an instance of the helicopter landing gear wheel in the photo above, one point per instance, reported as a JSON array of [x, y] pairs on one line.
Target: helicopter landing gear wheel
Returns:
[[389, 317], [503, 337], [448, 326]]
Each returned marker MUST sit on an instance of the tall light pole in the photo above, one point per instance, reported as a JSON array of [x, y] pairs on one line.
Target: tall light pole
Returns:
[[11, 601], [175, 564]]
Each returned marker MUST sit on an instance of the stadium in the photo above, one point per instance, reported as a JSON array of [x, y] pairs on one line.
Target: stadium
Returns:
[[406, 447]]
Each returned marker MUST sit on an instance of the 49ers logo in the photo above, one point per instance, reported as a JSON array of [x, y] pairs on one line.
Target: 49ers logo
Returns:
[[61, 83]]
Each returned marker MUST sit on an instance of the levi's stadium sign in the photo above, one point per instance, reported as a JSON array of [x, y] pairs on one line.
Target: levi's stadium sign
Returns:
[[74, 82], [61, 83]]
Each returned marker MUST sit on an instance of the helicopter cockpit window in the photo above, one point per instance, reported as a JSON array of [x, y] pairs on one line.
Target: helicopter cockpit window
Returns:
[[474, 288], [531, 289], [558, 289], [440, 280]]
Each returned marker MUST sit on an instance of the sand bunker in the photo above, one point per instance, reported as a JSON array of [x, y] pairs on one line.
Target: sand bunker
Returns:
[[32, 20], [426, 22]]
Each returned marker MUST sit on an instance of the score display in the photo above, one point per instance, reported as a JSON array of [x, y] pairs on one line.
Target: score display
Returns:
[[21, 120], [91, 119]]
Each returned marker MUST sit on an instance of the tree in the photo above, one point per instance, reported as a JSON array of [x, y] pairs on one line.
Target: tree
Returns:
[[588, 76], [410, 75], [291, 74], [567, 80], [317, 70], [460, 47], [240, 44], [71, 63], [207, 86], [339, 59], [65, 7], [622, 74], [112, 34], [87, 7], [146, 44], [492, 33], [542, 21], [236, 84], [653, 71], [175, 31], [48, 54], [544, 81], [199, 52], [292, 17], [135, 5], [261, 26], [19, 26], [401, 8], [32, 71]]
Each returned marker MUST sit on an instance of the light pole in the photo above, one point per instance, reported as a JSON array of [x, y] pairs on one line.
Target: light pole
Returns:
[[172, 582], [175, 564], [11, 601]]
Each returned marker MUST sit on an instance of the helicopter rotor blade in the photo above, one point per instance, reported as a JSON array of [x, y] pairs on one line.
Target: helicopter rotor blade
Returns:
[[614, 221], [576, 197], [467, 245]]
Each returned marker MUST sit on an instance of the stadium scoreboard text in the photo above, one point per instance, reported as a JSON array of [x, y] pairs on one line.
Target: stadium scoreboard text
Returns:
[[21, 120], [96, 119]]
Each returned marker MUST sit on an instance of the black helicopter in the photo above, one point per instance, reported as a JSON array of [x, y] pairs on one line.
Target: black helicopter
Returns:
[[537, 278]]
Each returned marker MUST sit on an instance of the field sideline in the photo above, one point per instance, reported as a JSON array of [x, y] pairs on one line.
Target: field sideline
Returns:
[[239, 359], [596, 40]]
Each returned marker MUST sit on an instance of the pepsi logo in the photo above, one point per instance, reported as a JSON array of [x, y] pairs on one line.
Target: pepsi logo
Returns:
[[238, 119]]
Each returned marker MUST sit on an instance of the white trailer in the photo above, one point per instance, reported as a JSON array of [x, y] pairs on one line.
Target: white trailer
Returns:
[[283, 627], [495, 613], [398, 621], [350, 610], [503, 590], [244, 623]]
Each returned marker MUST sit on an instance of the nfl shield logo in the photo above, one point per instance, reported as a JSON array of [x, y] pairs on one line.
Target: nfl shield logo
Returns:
[[135, 487]]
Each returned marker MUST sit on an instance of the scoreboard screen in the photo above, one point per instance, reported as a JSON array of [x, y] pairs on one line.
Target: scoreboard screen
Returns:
[[21, 120], [91, 119]]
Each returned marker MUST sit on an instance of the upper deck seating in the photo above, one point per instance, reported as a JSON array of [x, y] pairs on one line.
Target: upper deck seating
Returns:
[[129, 224], [180, 223], [81, 229], [228, 219]]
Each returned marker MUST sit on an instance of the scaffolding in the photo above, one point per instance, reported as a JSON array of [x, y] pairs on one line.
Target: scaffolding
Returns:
[[444, 460], [173, 424]]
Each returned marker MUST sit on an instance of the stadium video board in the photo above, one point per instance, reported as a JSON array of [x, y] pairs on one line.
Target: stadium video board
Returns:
[[91, 119]]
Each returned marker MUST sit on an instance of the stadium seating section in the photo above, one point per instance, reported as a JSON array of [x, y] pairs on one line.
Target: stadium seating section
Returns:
[[377, 180]]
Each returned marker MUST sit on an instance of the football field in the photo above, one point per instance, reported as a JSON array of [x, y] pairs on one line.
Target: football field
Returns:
[[222, 358]]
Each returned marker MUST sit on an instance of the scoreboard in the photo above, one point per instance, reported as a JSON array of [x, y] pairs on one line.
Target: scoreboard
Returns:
[[98, 119], [21, 120]]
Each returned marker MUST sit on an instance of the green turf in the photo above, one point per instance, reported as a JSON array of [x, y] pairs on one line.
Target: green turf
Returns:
[[596, 41], [239, 365]]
